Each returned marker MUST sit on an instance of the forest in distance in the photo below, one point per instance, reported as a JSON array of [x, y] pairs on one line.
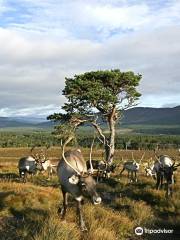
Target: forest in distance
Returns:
[[85, 138]]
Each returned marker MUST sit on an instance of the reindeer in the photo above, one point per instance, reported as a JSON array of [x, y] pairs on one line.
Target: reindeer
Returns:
[[105, 170], [34, 163], [132, 167], [101, 169], [29, 164], [75, 180], [148, 167], [47, 166], [164, 168]]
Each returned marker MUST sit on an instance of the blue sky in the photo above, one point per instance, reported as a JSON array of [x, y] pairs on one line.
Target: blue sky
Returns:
[[44, 41]]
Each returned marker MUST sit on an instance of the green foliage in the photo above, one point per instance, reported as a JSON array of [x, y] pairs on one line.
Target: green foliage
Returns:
[[101, 90], [84, 139], [18, 139], [63, 131]]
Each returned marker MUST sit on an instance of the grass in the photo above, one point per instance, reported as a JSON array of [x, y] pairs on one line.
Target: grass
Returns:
[[29, 211]]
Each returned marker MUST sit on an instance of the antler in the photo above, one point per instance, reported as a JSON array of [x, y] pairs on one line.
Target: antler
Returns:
[[157, 158], [90, 155], [133, 157], [34, 155], [44, 153], [142, 158], [32, 149], [64, 145]]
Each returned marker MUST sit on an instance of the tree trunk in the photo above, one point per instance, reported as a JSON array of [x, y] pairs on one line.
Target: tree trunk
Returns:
[[108, 142], [110, 148]]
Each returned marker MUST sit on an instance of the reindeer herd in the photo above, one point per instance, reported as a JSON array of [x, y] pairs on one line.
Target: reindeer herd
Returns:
[[78, 177]]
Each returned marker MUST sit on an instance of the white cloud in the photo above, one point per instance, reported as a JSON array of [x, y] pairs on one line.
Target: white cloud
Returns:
[[42, 111], [52, 40], [92, 19]]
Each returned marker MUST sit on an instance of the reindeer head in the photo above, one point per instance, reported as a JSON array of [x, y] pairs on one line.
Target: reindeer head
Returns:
[[137, 164], [148, 167], [86, 185], [40, 157], [168, 172]]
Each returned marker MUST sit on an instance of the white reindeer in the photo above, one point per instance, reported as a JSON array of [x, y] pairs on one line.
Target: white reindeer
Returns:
[[132, 167], [164, 168], [148, 167], [47, 166]]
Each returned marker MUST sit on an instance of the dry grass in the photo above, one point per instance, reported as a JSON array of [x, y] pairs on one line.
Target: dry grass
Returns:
[[29, 211]]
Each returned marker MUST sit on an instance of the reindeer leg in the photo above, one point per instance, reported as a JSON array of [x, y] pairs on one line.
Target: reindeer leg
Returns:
[[62, 210], [132, 174], [158, 181], [135, 176], [23, 176], [100, 176], [20, 174], [167, 190], [80, 216], [49, 170], [161, 180], [31, 177], [97, 179], [171, 190], [171, 186]]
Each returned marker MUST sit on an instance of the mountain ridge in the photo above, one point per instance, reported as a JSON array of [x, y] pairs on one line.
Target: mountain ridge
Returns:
[[158, 116], [132, 116]]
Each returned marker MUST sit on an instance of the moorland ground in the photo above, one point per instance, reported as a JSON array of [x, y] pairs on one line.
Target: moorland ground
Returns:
[[29, 211]]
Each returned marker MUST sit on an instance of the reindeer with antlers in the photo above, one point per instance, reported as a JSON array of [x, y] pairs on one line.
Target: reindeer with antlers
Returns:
[[35, 162], [75, 179], [100, 169], [47, 166], [148, 167], [29, 164], [164, 168], [132, 167]]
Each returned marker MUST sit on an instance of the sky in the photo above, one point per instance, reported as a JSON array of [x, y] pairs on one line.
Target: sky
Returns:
[[44, 41]]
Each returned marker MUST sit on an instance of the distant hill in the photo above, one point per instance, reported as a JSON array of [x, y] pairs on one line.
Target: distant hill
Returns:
[[8, 122], [151, 116], [134, 116], [45, 124]]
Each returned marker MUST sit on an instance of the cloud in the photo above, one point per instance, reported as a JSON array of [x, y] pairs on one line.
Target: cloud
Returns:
[[42, 42], [36, 72], [94, 19], [42, 111]]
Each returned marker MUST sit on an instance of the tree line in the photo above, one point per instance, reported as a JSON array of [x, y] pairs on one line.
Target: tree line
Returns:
[[84, 139]]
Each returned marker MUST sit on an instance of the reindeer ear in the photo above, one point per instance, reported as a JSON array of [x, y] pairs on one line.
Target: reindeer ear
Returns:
[[74, 179]]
